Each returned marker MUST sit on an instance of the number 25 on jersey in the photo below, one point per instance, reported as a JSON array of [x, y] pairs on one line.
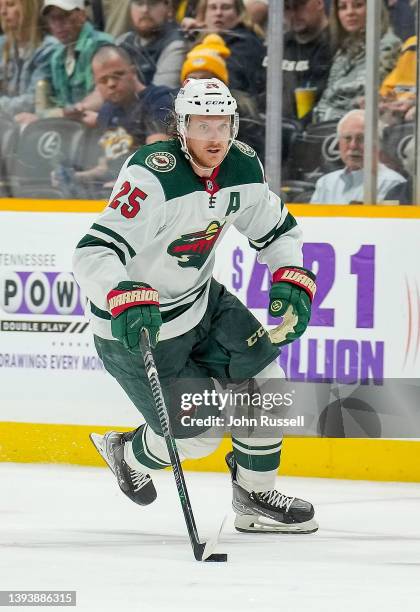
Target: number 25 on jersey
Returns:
[[130, 208]]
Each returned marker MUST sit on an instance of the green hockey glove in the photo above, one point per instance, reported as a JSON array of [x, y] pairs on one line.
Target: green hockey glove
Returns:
[[291, 295], [134, 306]]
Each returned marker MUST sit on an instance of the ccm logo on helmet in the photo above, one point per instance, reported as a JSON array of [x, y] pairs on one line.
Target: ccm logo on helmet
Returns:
[[214, 101]]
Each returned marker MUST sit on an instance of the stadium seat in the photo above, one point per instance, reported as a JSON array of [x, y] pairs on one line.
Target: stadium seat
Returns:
[[312, 155], [325, 128], [297, 191], [41, 192], [289, 132], [9, 131], [90, 149], [395, 139], [41, 147]]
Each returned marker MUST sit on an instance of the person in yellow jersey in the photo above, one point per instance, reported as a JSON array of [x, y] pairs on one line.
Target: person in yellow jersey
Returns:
[[398, 89]]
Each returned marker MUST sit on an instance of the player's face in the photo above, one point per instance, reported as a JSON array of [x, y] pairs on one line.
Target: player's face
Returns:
[[351, 143], [149, 15], [352, 14], [208, 139], [11, 14], [114, 80]]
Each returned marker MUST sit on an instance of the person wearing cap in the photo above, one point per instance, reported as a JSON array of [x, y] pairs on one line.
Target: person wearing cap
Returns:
[[156, 44], [71, 72], [208, 60], [230, 20], [307, 52]]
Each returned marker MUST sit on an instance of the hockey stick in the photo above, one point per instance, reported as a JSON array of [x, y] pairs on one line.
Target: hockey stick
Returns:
[[202, 551]]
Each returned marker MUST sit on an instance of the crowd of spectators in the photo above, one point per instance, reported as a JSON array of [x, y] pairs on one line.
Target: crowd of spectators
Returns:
[[114, 68]]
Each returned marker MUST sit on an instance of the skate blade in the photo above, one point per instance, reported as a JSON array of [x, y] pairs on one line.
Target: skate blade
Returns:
[[97, 441], [249, 523]]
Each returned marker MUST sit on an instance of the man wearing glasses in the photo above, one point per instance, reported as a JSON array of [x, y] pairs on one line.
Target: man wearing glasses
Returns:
[[346, 186]]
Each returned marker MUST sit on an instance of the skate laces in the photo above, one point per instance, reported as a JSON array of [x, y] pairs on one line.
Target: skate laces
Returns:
[[277, 499], [138, 479]]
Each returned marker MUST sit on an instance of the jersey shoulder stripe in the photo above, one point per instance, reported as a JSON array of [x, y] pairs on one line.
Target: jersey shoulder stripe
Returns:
[[93, 241], [102, 236], [281, 228], [109, 232]]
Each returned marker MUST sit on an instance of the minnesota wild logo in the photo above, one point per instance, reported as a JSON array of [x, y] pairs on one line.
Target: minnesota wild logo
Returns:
[[193, 250], [161, 162], [244, 148]]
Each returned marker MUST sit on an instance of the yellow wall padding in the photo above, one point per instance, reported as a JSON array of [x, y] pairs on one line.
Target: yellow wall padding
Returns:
[[358, 459]]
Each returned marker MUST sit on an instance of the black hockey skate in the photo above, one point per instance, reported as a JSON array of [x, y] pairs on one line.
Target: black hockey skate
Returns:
[[270, 511], [136, 485]]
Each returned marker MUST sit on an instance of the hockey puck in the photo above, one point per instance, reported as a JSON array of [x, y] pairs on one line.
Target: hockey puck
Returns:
[[220, 557]]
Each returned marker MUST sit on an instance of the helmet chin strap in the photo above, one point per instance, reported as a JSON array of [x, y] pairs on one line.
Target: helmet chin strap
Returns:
[[194, 163]]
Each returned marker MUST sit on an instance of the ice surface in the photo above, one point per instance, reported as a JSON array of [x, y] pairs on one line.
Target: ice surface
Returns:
[[68, 528]]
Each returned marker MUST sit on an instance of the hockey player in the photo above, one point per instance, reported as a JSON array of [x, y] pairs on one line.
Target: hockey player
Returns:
[[147, 263]]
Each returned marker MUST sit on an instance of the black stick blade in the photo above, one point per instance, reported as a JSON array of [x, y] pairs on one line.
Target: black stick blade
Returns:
[[220, 557]]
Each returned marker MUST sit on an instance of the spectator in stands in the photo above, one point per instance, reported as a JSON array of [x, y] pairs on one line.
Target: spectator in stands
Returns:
[[398, 90], [207, 60], [346, 186], [402, 17], [111, 16], [133, 114], [114, 16], [185, 8], [307, 52], [71, 72], [258, 12], [156, 43], [346, 81], [229, 19], [24, 55], [403, 192]]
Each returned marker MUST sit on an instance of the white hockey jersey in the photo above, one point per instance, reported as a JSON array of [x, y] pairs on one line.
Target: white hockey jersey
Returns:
[[162, 226]]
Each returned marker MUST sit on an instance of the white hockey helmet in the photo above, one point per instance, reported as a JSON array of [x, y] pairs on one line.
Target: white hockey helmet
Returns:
[[204, 97]]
